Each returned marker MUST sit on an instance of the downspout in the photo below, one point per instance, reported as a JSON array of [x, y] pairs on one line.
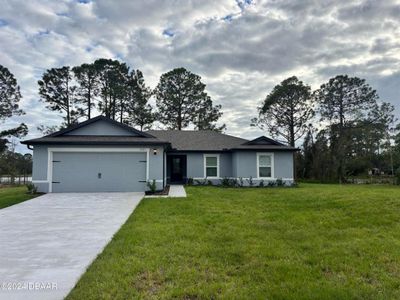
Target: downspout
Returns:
[[163, 169]]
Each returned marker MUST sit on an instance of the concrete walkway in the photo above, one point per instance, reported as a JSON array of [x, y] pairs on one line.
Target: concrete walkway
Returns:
[[177, 191], [47, 243]]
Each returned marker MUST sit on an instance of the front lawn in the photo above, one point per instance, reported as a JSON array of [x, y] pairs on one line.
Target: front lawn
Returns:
[[13, 195], [311, 242]]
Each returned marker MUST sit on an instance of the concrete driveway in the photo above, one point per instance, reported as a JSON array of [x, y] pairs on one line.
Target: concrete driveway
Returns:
[[47, 243]]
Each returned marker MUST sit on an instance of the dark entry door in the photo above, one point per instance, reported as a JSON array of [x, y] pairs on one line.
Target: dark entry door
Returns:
[[177, 168]]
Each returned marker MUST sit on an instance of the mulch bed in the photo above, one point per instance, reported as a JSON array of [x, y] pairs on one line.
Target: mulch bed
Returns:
[[164, 192]]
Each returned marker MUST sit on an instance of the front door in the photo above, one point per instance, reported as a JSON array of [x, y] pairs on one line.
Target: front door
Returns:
[[177, 168]]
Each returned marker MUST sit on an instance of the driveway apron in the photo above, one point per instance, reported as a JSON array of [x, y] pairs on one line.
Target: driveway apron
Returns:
[[47, 243]]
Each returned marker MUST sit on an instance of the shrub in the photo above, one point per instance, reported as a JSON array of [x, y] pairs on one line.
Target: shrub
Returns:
[[225, 182], [209, 182], [280, 182], [233, 182], [294, 184], [189, 181], [261, 183], [152, 186], [240, 182], [201, 181], [271, 183], [32, 189], [250, 181], [397, 176]]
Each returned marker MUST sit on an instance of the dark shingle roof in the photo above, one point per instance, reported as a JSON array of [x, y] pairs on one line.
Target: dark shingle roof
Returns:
[[179, 140], [207, 140], [195, 140]]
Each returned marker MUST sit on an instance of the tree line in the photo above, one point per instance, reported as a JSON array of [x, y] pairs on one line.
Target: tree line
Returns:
[[343, 128], [346, 129], [120, 93]]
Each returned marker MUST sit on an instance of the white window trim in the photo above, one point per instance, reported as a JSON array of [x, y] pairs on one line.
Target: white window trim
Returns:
[[271, 154], [205, 166], [50, 152]]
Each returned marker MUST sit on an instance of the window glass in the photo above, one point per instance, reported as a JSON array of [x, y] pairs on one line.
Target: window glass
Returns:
[[265, 160], [211, 161], [265, 171], [211, 166], [264, 166], [211, 172]]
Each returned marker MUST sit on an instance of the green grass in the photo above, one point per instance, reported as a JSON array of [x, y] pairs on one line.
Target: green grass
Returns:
[[311, 242], [13, 195]]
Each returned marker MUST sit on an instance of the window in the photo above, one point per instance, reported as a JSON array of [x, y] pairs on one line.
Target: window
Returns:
[[211, 166], [264, 164]]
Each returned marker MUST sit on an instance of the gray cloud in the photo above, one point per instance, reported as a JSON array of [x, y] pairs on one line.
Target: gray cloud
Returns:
[[240, 48]]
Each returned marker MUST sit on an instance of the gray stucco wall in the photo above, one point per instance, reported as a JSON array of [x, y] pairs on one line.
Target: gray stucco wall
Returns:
[[101, 128], [240, 164], [245, 164], [40, 160], [156, 166], [195, 164], [39, 165]]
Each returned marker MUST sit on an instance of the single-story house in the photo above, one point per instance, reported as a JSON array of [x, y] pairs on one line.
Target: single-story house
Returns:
[[102, 155]]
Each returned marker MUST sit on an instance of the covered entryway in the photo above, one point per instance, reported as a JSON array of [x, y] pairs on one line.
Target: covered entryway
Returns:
[[176, 168], [98, 171]]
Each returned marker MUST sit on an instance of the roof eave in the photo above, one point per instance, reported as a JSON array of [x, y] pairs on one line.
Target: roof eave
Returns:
[[155, 143], [266, 149]]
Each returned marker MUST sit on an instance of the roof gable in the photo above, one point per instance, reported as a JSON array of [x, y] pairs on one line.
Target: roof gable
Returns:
[[100, 126], [263, 140]]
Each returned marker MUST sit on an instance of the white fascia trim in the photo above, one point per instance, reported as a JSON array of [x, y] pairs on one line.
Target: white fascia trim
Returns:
[[271, 154], [205, 167], [88, 149], [244, 178], [50, 152]]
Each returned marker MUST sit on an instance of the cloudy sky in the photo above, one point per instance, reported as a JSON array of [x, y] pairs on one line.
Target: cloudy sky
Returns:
[[240, 48]]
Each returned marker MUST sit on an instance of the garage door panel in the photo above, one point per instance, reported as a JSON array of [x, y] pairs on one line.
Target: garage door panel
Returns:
[[99, 172]]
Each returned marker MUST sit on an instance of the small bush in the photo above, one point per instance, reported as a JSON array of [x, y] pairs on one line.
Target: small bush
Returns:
[[261, 183], [397, 179], [32, 189], [233, 182], [209, 182], [201, 182], [240, 182], [280, 182], [250, 181], [152, 186], [225, 182], [189, 181], [271, 183]]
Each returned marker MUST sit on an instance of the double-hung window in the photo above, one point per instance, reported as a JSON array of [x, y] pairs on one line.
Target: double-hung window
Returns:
[[211, 165], [265, 165]]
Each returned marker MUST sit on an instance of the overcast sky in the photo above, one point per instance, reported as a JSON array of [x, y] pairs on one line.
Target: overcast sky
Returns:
[[241, 49]]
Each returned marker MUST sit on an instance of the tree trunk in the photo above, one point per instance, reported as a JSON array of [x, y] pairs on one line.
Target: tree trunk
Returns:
[[179, 119], [68, 105], [122, 111], [89, 101], [341, 143]]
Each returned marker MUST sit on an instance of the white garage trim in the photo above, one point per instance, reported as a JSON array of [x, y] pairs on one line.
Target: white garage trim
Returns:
[[50, 152]]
